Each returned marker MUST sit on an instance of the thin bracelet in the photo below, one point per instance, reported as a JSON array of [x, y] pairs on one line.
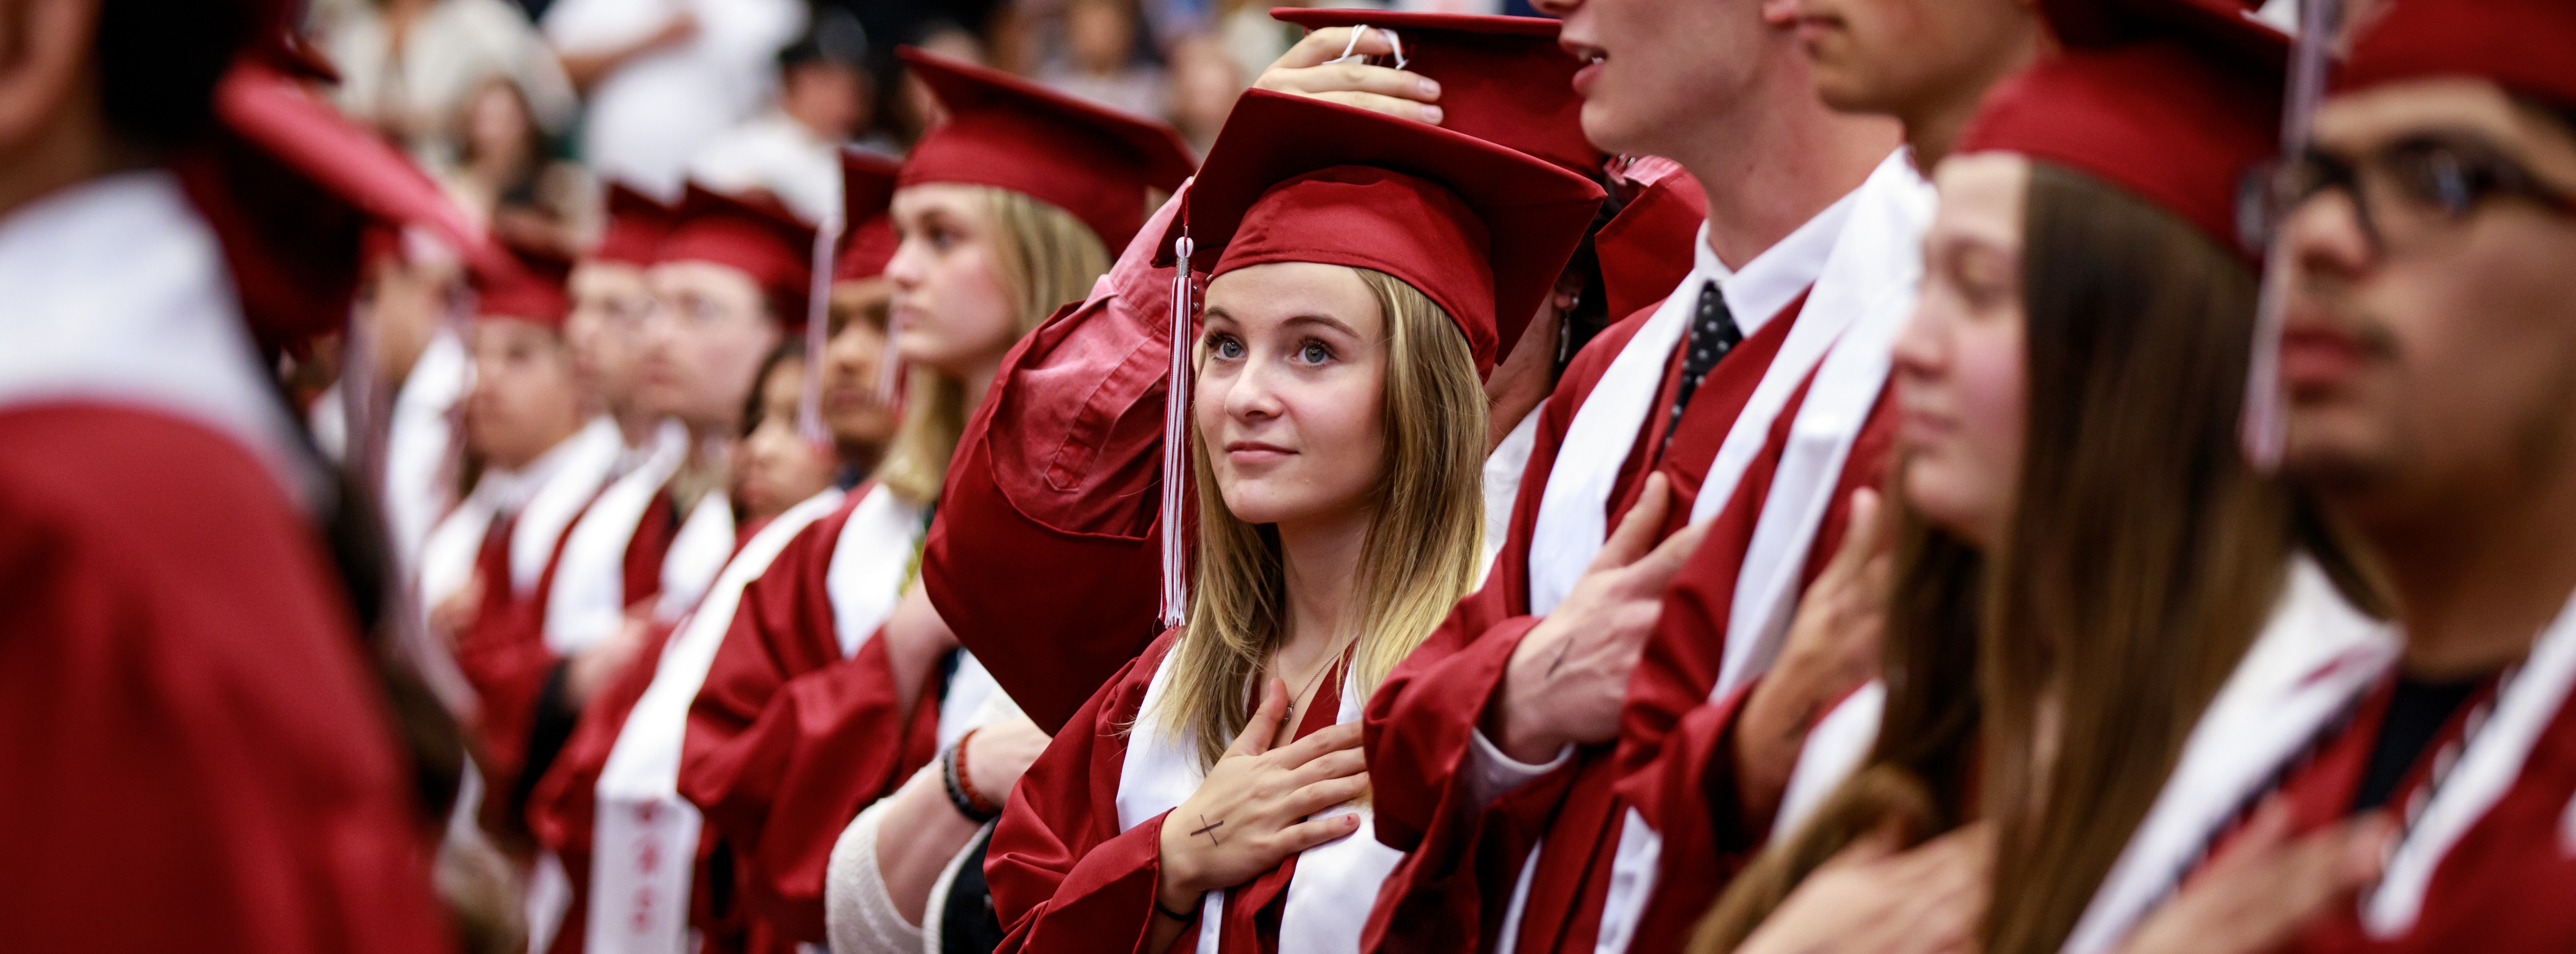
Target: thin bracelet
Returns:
[[966, 779], [1174, 915]]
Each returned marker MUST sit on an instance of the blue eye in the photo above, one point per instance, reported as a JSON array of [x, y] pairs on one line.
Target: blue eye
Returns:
[[1226, 347], [1314, 352]]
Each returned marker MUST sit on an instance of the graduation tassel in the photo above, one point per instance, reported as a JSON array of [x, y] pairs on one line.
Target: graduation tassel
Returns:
[[818, 319], [1176, 412], [2261, 429]]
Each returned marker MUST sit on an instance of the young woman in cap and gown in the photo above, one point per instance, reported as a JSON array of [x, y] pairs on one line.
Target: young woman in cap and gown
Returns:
[[1365, 272], [826, 696], [198, 724], [2065, 598]]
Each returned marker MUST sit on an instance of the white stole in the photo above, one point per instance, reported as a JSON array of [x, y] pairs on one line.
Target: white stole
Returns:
[[582, 464], [700, 549], [869, 562], [1503, 470], [1866, 288], [1335, 885], [588, 602], [646, 836]]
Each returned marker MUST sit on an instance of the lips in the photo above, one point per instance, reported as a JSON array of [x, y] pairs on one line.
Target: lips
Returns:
[[2317, 356], [1814, 27], [1591, 57], [1256, 452]]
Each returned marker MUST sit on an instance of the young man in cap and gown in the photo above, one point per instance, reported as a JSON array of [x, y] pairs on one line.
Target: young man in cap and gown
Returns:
[[2416, 791]]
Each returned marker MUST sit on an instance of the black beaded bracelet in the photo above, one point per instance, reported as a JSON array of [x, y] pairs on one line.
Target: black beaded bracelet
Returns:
[[957, 795]]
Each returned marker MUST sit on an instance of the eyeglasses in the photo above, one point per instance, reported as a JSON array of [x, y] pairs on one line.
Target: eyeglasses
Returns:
[[2402, 188]]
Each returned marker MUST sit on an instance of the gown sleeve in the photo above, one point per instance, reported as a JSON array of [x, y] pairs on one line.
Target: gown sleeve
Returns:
[[1063, 876]]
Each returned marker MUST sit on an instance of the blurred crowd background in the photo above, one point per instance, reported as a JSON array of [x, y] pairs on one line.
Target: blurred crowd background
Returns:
[[523, 109]]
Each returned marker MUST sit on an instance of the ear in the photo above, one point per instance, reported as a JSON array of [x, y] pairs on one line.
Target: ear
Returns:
[[1780, 14], [45, 52]]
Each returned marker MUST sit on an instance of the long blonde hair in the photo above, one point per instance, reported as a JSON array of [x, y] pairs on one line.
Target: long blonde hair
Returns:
[[1419, 558], [1046, 258]]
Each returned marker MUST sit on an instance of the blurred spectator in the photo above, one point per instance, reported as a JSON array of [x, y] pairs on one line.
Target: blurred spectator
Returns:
[[918, 110], [504, 174], [666, 77], [1251, 38], [407, 66], [1205, 83], [792, 151], [1100, 61]]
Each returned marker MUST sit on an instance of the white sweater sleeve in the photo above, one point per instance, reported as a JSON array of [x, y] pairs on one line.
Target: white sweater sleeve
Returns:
[[859, 916]]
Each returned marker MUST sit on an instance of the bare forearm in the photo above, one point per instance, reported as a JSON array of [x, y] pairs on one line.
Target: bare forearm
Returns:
[[920, 833]]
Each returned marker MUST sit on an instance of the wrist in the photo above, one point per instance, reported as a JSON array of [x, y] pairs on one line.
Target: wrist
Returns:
[[1174, 887], [1519, 720], [960, 783]]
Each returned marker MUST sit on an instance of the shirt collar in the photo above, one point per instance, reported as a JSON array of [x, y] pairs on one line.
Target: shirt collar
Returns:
[[1776, 277]]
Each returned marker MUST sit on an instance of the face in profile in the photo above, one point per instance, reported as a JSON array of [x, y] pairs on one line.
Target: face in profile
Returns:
[[2429, 346], [1291, 390], [951, 310], [703, 342], [1652, 67], [1887, 56], [524, 400], [610, 301], [779, 466], [1959, 368], [853, 357]]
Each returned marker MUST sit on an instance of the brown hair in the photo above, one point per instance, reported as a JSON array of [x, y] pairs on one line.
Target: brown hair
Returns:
[[2143, 556]]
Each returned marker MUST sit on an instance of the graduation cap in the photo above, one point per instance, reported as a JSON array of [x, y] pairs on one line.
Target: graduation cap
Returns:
[[525, 285], [1647, 249], [2173, 101], [1480, 229], [754, 235], [2526, 46], [1003, 131], [636, 225], [1502, 79], [867, 188]]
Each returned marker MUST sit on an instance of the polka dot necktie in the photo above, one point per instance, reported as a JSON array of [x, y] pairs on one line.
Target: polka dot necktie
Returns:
[[1712, 334]]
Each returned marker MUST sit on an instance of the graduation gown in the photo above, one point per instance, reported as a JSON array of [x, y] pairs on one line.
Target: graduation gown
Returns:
[[641, 895], [197, 754], [1075, 858], [2488, 857], [1536, 872], [799, 724]]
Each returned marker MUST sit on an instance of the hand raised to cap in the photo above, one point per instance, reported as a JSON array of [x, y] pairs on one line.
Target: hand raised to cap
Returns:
[[1307, 69]]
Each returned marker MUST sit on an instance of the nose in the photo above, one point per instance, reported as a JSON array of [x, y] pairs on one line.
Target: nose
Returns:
[[2326, 240], [905, 268], [1922, 351], [1248, 395]]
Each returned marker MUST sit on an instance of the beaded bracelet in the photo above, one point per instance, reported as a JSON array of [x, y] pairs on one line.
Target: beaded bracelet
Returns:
[[961, 787]]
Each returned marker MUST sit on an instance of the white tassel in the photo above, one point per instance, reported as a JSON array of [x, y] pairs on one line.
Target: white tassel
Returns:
[[818, 320], [1176, 415], [2262, 428]]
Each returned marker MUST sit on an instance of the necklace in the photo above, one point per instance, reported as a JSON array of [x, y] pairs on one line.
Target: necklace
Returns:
[[1287, 718]]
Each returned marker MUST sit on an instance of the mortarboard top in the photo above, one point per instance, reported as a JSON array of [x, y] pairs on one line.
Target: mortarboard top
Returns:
[[526, 285], [2171, 100], [754, 235], [868, 240], [1502, 79], [2526, 46], [1481, 229], [1003, 131], [635, 228]]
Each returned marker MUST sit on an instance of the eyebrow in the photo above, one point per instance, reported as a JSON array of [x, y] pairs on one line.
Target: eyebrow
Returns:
[[1325, 320]]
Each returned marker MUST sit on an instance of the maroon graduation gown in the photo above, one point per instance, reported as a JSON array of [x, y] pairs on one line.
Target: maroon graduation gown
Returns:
[[1466, 859], [198, 759], [788, 741]]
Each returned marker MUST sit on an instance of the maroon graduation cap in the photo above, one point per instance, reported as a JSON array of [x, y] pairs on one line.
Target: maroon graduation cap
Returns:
[[1004, 131], [1502, 79], [755, 235]]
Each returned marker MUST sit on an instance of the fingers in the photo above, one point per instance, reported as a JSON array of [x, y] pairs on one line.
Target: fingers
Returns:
[[1352, 78], [1255, 738], [1333, 738], [1398, 108], [1307, 834], [1342, 763], [1325, 45], [1325, 794], [1656, 571], [1636, 531], [1860, 534]]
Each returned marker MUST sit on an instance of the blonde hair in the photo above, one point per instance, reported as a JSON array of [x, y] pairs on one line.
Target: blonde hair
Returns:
[[1046, 258], [1419, 558]]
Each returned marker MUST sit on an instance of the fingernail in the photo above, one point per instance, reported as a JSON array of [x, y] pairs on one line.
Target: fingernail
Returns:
[[1431, 114], [1430, 87]]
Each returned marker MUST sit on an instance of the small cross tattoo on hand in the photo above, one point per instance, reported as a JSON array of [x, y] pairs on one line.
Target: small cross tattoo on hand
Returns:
[[1210, 831]]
